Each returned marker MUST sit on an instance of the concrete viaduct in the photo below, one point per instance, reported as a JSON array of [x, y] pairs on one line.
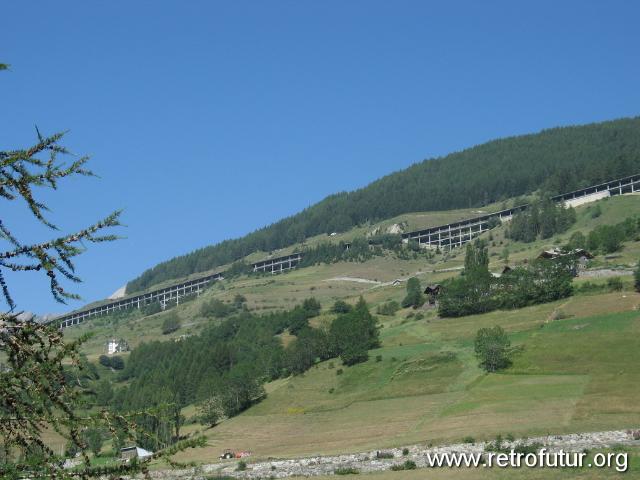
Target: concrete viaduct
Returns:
[[458, 233], [279, 264], [162, 295], [449, 236], [173, 293]]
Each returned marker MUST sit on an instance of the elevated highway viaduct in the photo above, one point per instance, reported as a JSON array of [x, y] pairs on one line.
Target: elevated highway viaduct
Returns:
[[447, 236], [456, 234]]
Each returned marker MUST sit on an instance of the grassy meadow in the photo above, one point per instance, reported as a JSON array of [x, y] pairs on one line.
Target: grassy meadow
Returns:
[[423, 385], [576, 368]]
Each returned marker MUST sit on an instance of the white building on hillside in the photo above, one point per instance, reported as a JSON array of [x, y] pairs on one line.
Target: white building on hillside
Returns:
[[115, 345]]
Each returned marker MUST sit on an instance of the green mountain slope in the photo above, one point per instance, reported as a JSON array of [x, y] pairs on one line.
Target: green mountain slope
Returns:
[[556, 160], [423, 384]]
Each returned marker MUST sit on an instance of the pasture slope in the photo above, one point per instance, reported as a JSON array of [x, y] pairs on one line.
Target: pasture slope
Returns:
[[577, 374], [577, 369]]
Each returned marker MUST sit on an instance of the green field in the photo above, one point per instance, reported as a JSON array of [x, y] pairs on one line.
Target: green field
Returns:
[[327, 282], [576, 374], [579, 373]]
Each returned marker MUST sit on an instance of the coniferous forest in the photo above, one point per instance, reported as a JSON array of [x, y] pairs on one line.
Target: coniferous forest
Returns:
[[227, 364], [554, 161]]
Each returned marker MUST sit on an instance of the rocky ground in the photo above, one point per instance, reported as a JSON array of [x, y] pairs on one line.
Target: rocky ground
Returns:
[[367, 462], [604, 273]]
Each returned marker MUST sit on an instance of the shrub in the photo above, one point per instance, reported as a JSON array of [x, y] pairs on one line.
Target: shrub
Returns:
[[405, 451], [298, 321], [606, 238], [407, 465], [636, 278], [215, 308], [341, 307], [496, 446], [577, 240], [389, 308], [104, 361], [311, 307], [242, 466], [527, 448], [339, 371], [468, 439], [615, 284], [117, 363], [239, 300], [346, 471], [589, 287], [170, 324], [378, 358], [384, 455]]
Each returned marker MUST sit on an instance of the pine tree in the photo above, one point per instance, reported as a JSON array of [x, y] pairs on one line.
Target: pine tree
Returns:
[[354, 333], [476, 262], [414, 297], [38, 387], [104, 393]]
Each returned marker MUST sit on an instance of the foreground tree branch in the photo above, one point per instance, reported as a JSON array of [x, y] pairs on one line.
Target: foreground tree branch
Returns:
[[43, 380]]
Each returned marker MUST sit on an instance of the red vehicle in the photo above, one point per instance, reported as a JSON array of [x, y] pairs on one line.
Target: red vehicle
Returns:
[[228, 454]]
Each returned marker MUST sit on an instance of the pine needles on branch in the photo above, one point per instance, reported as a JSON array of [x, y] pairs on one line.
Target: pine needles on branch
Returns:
[[21, 173], [42, 384]]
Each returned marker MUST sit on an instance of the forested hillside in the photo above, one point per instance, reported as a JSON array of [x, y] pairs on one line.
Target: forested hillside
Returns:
[[555, 160], [229, 361]]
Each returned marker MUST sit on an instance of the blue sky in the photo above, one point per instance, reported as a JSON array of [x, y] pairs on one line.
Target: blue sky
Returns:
[[206, 120]]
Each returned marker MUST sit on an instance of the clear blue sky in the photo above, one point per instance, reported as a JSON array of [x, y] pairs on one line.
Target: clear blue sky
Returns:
[[207, 120]]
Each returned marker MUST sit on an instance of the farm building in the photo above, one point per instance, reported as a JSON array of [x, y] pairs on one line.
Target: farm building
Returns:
[[581, 255], [115, 345], [128, 453]]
